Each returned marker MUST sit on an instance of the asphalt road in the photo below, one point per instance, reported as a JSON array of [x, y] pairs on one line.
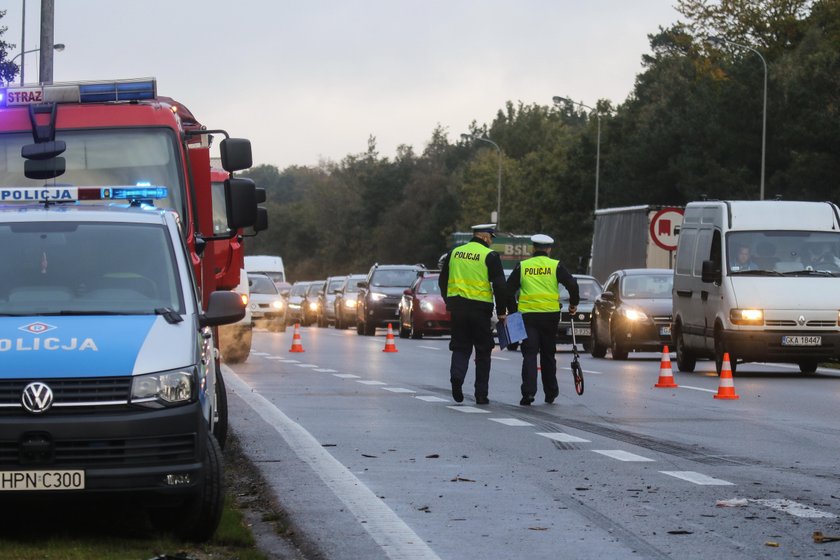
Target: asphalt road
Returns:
[[370, 457]]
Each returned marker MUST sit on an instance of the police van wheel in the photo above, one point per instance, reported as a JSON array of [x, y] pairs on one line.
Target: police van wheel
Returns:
[[220, 426], [686, 361], [719, 352], [197, 518]]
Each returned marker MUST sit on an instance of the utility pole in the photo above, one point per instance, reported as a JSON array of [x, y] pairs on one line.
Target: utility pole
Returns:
[[47, 37]]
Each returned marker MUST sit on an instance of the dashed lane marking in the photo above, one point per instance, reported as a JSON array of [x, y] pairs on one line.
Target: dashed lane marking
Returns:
[[468, 409], [306, 365], [585, 372], [428, 347], [795, 508], [369, 382], [622, 455], [562, 437], [346, 375], [697, 478], [430, 398], [511, 421], [326, 370], [399, 390]]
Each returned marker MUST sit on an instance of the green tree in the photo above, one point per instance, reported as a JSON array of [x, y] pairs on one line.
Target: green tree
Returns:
[[8, 70]]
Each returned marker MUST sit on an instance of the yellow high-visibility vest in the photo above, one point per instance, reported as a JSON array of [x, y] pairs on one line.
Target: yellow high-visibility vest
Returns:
[[538, 292], [468, 273]]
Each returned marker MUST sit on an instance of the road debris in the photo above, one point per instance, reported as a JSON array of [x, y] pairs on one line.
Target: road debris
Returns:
[[820, 538], [734, 502]]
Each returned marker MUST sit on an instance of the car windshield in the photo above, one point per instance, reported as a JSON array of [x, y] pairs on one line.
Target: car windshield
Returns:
[[352, 284], [334, 284], [260, 284], [104, 157], [429, 286], [314, 288], [776, 253], [588, 287], [393, 278], [647, 286], [298, 289], [70, 268]]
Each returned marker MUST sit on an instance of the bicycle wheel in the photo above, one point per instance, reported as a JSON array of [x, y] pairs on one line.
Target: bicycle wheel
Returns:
[[577, 373]]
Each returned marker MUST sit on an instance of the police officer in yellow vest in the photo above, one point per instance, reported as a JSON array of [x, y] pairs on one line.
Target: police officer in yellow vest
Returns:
[[537, 280], [471, 277]]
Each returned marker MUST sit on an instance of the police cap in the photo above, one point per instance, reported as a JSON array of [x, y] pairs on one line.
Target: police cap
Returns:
[[541, 240], [485, 228]]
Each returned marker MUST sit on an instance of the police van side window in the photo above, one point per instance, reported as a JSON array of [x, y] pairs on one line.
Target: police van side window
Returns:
[[685, 251], [716, 253], [704, 250]]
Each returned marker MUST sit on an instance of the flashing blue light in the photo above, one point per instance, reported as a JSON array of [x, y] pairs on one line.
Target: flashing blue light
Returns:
[[135, 90], [139, 193]]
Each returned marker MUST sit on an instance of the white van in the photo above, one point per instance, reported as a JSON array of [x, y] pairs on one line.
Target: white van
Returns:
[[269, 265], [759, 280]]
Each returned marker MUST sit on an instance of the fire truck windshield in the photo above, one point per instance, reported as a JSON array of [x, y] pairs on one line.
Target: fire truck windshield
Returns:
[[103, 157]]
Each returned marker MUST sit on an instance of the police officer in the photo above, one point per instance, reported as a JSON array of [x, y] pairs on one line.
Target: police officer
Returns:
[[537, 280], [470, 278]]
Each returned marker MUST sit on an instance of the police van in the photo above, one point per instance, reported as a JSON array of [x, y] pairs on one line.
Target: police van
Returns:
[[759, 280], [107, 376]]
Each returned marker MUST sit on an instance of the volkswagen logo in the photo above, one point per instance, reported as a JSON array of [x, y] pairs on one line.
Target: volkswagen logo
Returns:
[[581, 316], [37, 397]]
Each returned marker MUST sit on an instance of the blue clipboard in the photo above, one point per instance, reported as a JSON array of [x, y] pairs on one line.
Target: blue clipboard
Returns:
[[511, 330]]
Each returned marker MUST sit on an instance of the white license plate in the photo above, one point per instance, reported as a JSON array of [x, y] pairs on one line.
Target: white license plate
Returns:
[[397, 314], [42, 480], [801, 340], [580, 331], [665, 331]]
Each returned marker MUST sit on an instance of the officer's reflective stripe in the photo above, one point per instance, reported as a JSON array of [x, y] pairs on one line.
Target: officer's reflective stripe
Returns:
[[468, 273], [538, 285]]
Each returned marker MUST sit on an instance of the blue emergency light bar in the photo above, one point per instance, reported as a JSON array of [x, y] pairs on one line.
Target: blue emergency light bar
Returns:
[[73, 194], [140, 89]]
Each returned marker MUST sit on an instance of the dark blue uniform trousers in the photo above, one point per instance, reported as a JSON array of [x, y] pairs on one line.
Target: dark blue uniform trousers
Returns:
[[541, 329], [471, 329]]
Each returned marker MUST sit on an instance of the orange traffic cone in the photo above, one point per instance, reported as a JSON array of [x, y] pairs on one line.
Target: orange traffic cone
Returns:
[[726, 389], [666, 374], [390, 346], [296, 345]]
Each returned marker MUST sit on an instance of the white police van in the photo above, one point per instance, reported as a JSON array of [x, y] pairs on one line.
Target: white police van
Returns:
[[106, 359]]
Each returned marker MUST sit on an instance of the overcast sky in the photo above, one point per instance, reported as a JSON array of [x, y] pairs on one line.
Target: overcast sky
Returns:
[[311, 80]]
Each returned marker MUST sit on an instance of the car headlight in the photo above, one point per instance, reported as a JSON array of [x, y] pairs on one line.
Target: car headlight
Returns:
[[350, 303], [277, 304], [427, 306], [746, 316], [313, 306], [632, 314], [244, 298], [376, 296], [158, 390]]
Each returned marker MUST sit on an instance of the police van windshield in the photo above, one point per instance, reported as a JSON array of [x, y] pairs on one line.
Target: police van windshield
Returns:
[[104, 157], [778, 253], [70, 268]]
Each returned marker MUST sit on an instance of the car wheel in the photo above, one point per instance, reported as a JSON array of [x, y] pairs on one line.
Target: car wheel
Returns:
[[808, 366], [339, 324], [368, 329], [617, 350], [720, 350], [586, 345], [359, 327], [404, 332], [415, 332], [197, 518], [686, 361], [597, 349]]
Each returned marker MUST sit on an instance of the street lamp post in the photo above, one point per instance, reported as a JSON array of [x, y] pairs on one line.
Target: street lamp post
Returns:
[[499, 179], [718, 41], [558, 99], [58, 47]]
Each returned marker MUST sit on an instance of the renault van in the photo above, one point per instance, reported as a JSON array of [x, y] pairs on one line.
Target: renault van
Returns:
[[759, 280]]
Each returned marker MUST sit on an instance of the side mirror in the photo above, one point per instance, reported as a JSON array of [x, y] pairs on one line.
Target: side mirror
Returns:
[[223, 308], [241, 198], [236, 154], [607, 296], [361, 284], [407, 292], [710, 272]]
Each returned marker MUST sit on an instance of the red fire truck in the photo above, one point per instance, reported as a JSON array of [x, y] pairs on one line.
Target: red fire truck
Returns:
[[123, 134]]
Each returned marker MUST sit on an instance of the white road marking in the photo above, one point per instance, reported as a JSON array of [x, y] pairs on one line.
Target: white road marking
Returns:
[[346, 375], [698, 389], [428, 347], [280, 359], [499, 358], [369, 382], [511, 421], [468, 409], [290, 361], [585, 372], [326, 370], [562, 437], [697, 478], [430, 398], [306, 365], [387, 529], [622, 455], [399, 390], [260, 354], [795, 508]]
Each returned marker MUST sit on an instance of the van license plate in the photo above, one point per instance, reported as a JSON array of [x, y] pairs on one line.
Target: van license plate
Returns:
[[801, 340], [42, 480]]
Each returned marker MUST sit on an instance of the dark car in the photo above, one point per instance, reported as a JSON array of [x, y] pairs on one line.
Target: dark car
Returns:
[[345, 301], [590, 288], [326, 300], [633, 313], [295, 302], [310, 304], [422, 309], [378, 303]]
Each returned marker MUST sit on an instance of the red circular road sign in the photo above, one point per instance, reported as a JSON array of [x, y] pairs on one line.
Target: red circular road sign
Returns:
[[663, 227]]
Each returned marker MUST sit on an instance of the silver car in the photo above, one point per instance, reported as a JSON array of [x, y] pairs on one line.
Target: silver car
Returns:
[[268, 307]]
